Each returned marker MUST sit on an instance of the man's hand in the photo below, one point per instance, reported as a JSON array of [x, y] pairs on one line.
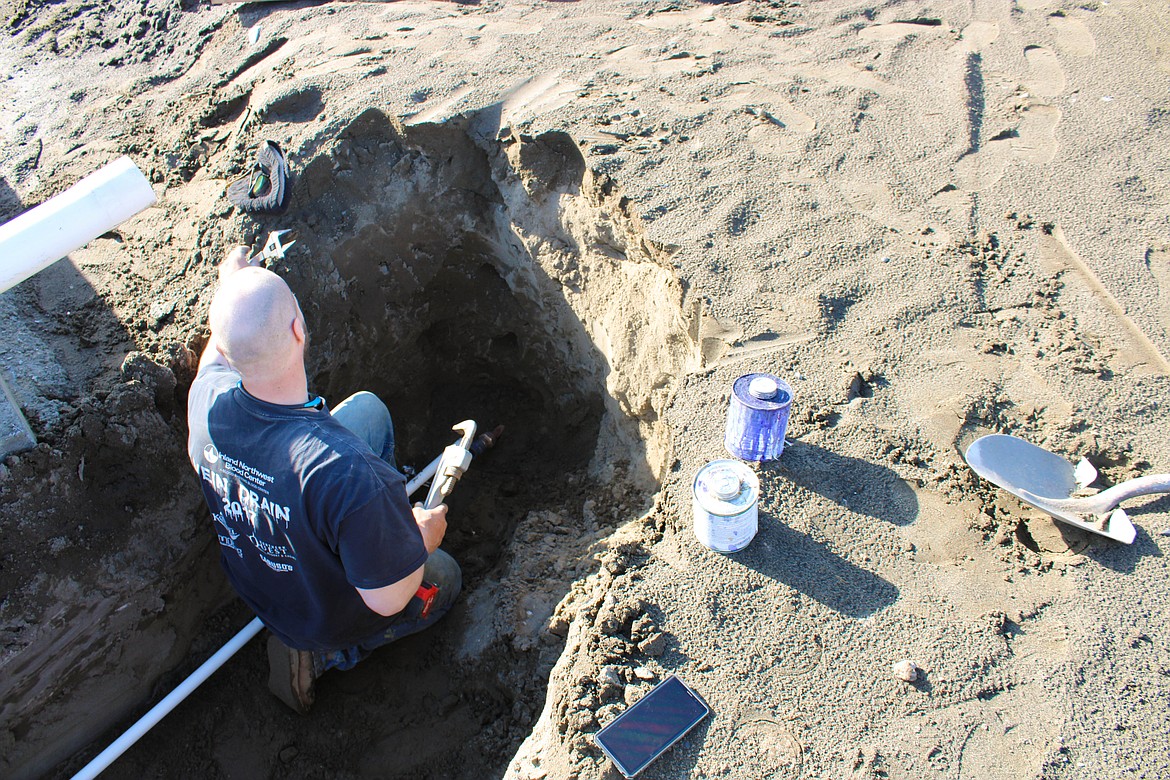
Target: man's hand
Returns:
[[433, 524], [236, 259], [392, 599]]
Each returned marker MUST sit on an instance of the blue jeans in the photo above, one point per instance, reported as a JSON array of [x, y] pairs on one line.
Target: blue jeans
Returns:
[[366, 416], [369, 419]]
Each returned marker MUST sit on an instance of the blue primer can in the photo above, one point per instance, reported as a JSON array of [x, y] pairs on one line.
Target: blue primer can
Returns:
[[757, 417]]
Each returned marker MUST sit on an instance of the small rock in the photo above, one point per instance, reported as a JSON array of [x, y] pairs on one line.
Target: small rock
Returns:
[[159, 311], [906, 671], [288, 753], [644, 673], [609, 675], [654, 646], [643, 628], [558, 625]]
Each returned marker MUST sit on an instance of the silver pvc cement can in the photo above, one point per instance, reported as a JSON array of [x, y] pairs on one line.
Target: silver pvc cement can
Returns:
[[725, 496]]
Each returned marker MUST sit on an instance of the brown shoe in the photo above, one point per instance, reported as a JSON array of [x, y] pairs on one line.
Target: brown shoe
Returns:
[[290, 675]]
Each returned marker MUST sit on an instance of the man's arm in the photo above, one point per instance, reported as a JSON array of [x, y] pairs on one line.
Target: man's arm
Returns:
[[393, 598], [235, 259]]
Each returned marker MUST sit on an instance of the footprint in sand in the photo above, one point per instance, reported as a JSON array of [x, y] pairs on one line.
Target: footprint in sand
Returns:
[[773, 751], [978, 35], [1158, 261], [1035, 141], [1158, 16], [1045, 76], [781, 128], [876, 201], [1072, 36], [984, 168]]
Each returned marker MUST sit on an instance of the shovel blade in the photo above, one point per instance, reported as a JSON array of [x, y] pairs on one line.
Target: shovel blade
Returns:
[[1013, 463], [1017, 465]]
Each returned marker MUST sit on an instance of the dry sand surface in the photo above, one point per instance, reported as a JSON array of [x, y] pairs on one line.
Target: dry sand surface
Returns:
[[936, 220]]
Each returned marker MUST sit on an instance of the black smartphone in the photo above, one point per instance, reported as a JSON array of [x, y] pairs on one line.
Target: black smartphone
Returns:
[[651, 725]]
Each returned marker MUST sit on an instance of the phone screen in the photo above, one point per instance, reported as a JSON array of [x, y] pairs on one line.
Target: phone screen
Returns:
[[655, 722]]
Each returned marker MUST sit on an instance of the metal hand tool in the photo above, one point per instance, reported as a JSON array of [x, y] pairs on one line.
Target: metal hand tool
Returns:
[[273, 249], [452, 463]]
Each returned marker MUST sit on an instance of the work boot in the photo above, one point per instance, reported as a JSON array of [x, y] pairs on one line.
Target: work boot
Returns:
[[291, 675]]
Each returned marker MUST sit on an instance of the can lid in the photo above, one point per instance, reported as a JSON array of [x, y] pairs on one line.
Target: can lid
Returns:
[[726, 485], [762, 392], [763, 387]]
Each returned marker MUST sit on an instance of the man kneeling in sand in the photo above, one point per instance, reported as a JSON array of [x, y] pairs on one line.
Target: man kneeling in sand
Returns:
[[315, 529]]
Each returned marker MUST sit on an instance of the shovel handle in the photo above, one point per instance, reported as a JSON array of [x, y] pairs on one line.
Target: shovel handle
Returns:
[[1111, 497]]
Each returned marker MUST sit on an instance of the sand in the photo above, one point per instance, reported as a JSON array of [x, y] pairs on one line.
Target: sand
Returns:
[[936, 220]]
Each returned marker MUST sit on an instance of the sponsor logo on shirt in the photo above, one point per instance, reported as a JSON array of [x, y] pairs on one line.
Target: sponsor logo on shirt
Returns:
[[227, 535], [276, 565], [239, 501], [245, 512]]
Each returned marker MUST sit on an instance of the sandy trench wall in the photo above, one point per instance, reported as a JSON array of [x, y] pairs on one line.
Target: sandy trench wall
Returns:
[[618, 283], [410, 231], [111, 577]]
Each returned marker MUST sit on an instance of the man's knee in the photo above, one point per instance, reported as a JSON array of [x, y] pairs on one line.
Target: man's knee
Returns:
[[443, 570], [364, 404], [364, 414]]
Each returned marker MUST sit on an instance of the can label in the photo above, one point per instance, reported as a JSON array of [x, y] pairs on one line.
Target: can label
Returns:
[[757, 417], [725, 497]]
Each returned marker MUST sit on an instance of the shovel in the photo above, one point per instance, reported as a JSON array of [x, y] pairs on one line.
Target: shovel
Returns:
[[1047, 481]]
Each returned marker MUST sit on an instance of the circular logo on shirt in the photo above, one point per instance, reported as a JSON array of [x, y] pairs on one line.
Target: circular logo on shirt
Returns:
[[210, 454]]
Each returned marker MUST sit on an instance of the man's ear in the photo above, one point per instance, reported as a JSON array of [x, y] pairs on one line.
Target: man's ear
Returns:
[[298, 329]]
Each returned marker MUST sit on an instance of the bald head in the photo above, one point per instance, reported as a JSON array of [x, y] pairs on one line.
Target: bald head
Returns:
[[252, 316]]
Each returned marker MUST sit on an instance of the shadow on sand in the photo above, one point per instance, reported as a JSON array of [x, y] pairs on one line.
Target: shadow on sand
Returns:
[[10, 203], [801, 562], [855, 484], [1123, 558]]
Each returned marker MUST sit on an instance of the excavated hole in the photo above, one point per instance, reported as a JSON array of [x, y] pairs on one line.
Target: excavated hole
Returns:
[[465, 347], [471, 353], [503, 283], [437, 300]]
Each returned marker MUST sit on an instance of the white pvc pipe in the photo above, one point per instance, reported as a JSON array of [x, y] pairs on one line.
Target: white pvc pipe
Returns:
[[160, 710], [95, 205], [423, 476]]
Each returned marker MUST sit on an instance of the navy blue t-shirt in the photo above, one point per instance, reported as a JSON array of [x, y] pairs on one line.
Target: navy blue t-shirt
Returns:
[[304, 509]]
